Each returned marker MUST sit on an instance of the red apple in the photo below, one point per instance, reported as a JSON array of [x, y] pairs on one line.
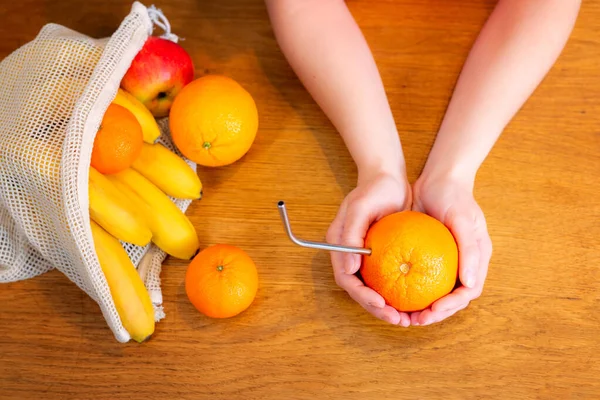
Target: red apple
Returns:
[[157, 74]]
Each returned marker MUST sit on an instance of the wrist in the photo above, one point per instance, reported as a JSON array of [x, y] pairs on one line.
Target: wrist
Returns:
[[459, 174], [448, 161], [394, 168]]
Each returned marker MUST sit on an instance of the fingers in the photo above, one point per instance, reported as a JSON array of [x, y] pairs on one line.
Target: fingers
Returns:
[[464, 295], [387, 314], [404, 319], [334, 233], [371, 300], [350, 263], [460, 296], [432, 315], [349, 227], [461, 214], [465, 231], [415, 318], [334, 236], [429, 316], [368, 298], [357, 221], [358, 291]]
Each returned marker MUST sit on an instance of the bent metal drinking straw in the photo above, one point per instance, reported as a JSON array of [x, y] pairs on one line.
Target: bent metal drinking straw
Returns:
[[315, 245]]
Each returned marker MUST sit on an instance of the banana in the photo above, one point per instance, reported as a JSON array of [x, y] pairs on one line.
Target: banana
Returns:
[[126, 287], [171, 229], [149, 125], [168, 171], [112, 210]]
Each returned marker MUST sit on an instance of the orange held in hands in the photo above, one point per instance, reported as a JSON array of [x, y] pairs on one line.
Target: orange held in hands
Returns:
[[118, 141], [213, 121], [221, 281], [414, 260]]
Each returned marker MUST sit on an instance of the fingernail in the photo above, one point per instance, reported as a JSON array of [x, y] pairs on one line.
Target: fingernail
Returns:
[[350, 264], [470, 283]]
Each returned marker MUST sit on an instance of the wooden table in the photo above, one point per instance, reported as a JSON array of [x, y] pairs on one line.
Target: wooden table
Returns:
[[534, 333]]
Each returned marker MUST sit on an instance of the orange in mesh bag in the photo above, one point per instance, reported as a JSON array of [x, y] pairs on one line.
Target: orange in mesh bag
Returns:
[[55, 90]]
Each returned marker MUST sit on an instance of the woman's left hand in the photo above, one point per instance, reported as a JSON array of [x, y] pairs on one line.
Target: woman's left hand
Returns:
[[451, 201]]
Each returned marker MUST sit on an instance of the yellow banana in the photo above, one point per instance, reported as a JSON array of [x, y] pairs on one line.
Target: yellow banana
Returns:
[[171, 229], [168, 171], [149, 126], [129, 294], [112, 210]]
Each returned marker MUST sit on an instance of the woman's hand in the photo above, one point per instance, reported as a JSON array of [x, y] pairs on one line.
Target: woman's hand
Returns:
[[372, 199], [524, 36], [450, 200]]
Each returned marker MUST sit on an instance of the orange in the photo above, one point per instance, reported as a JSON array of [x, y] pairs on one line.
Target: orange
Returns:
[[213, 121], [118, 142], [413, 260], [221, 281]]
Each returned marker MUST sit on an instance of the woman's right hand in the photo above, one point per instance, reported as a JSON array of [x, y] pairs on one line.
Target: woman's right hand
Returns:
[[371, 200]]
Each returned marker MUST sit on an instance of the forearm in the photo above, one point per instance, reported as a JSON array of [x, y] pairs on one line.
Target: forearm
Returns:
[[330, 56], [514, 51]]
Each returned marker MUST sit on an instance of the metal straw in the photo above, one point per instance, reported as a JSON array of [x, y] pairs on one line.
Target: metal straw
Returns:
[[315, 245]]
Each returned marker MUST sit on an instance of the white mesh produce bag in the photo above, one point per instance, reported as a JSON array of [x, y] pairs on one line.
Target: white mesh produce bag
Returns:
[[55, 90]]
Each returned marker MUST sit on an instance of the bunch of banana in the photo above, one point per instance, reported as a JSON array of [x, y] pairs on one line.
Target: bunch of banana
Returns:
[[129, 294], [168, 172], [134, 206], [112, 210], [171, 229]]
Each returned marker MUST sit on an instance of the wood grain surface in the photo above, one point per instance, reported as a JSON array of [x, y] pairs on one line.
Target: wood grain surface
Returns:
[[535, 332]]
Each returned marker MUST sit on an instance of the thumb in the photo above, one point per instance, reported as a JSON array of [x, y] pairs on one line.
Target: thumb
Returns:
[[464, 230], [355, 228]]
